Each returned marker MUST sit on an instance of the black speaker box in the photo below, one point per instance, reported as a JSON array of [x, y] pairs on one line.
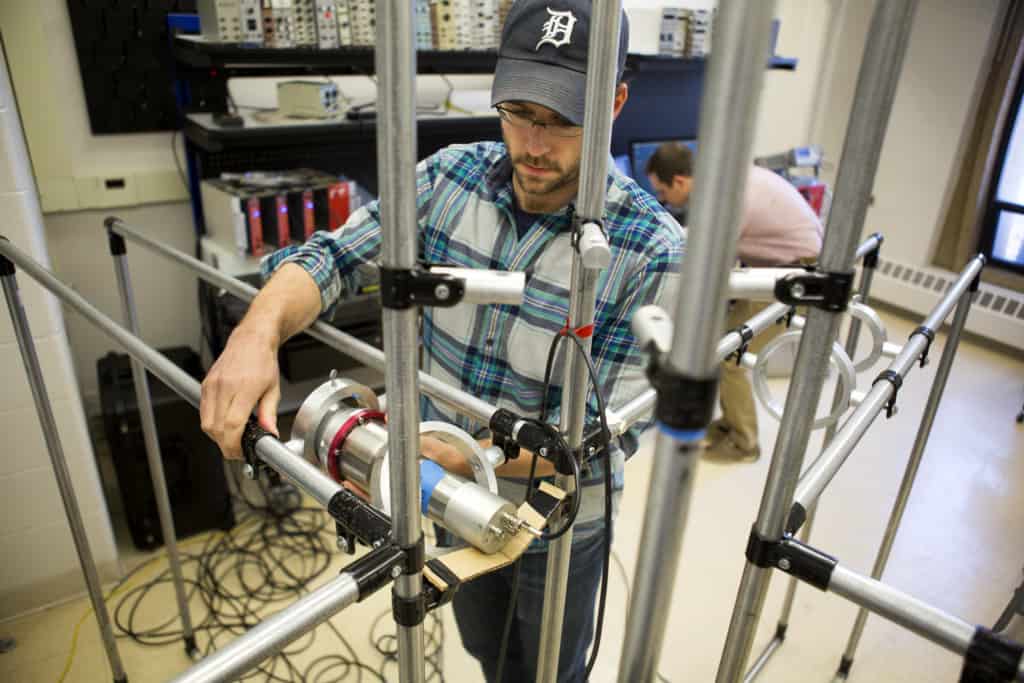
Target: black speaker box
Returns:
[[192, 463]]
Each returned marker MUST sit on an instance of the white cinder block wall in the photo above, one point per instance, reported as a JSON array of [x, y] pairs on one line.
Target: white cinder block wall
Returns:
[[40, 564]]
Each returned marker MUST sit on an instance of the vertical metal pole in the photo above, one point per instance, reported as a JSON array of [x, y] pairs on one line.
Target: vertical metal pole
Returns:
[[876, 88], [60, 467], [602, 68], [916, 454], [395, 59], [152, 443], [728, 114], [853, 335]]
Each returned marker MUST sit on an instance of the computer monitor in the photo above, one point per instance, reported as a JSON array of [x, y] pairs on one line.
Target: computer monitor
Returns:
[[641, 151]]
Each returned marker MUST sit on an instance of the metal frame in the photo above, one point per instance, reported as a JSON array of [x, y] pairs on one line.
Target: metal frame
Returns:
[[602, 67], [728, 111], [152, 446], [876, 87], [867, 253], [396, 157], [284, 627], [34, 372]]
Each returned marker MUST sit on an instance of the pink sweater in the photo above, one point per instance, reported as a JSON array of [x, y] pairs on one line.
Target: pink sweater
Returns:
[[779, 227]]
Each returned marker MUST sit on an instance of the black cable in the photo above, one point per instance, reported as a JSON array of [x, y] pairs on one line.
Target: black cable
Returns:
[[276, 551], [177, 161], [602, 414], [518, 566]]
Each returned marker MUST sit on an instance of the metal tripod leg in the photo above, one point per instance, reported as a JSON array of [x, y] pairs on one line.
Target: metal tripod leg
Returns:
[[852, 337], [876, 88], [916, 454], [153, 456], [60, 467]]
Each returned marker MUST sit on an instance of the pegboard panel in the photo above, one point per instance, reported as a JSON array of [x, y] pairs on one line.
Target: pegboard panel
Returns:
[[125, 60]]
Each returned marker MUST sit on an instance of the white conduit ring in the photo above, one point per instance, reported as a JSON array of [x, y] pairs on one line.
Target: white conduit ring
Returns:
[[869, 318], [838, 358], [483, 470]]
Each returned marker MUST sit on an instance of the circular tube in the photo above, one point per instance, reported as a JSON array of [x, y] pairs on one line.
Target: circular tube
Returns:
[[870, 319], [839, 359]]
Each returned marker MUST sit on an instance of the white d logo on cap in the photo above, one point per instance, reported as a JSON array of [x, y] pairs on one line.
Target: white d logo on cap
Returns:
[[557, 29]]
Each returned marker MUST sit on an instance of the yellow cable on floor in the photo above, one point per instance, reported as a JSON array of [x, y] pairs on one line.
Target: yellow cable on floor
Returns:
[[115, 590]]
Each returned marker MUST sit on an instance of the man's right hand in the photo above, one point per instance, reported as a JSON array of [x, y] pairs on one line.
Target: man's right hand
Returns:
[[244, 377]]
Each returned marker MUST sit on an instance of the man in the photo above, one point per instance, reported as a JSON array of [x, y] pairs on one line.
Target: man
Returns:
[[509, 207], [778, 228]]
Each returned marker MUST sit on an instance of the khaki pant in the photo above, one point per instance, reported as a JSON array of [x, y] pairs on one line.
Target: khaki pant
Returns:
[[736, 395]]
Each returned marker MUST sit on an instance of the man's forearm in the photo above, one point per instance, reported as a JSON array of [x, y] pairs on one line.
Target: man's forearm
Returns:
[[287, 304], [520, 467]]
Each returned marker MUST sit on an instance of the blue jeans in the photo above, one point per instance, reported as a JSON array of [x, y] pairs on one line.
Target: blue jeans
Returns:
[[482, 604]]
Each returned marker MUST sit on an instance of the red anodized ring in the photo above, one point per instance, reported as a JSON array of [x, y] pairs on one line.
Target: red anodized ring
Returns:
[[354, 420]]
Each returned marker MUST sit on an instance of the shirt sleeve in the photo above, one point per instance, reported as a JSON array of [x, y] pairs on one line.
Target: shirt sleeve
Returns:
[[340, 260]]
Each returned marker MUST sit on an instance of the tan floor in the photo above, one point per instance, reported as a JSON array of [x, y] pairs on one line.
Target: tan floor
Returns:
[[955, 550]]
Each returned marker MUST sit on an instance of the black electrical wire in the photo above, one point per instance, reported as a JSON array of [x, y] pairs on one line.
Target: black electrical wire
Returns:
[[275, 552], [602, 414]]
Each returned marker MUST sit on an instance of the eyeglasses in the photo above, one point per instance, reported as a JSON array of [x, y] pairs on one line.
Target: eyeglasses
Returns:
[[521, 120]]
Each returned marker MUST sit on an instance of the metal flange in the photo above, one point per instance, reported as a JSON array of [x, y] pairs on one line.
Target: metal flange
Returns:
[[333, 395]]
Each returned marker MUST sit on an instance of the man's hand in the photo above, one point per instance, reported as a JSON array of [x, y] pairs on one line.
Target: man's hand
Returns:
[[246, 374], [445, 455]]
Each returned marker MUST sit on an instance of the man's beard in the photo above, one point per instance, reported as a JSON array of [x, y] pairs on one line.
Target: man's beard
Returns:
[[543, 186]]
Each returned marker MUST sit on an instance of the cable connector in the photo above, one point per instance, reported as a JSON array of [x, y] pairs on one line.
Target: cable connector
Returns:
[[991, 658], [408, 611], [354, 517], [116, 241], [590, 240], [746, 334], [436, 597], [870, 259], [929, 334], [793, 557], [375, 569], [684, 403], [535, 436], [824, 290], [252, 433], [896, 380], [402, 288]]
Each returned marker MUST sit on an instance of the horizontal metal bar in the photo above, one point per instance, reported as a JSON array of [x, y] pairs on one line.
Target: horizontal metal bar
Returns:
[[825, 467], [274, 633], [757, 284], [270, 450], [621, 419], [929, 622], [359, 350]]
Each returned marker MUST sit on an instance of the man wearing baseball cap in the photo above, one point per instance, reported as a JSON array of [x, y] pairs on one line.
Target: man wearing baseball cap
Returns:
[[507, 206]]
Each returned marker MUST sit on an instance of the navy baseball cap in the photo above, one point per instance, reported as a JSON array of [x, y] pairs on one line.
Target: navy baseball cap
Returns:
[[542, 57]]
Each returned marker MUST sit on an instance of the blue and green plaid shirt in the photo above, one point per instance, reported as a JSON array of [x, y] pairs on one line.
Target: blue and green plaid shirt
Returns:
[[498, 353]]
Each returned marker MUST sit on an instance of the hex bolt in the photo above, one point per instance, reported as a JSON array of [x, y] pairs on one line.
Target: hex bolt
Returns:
[[396, 571], [442, 292], [249, 471], [343, 545], [797, 290], [784, 564]]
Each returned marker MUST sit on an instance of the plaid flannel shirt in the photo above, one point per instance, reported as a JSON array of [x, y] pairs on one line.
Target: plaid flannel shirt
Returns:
[[498, 353]]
